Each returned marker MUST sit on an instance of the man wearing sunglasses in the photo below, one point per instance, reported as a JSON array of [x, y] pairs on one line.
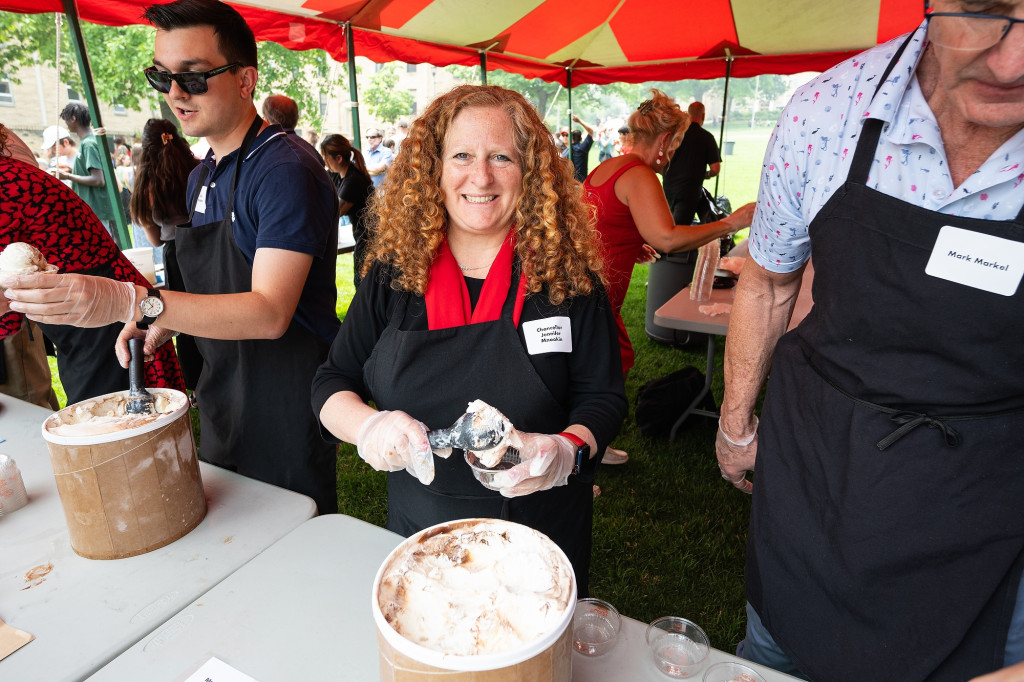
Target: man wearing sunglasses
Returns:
[[878, 549], [259, 251], [377, 156], [257, 257]]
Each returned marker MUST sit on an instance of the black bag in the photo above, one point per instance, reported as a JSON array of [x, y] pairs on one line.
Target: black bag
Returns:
[[659, 403]]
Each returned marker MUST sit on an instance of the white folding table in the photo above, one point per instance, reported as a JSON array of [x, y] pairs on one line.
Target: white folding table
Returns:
[[85, 612], [301, 611]]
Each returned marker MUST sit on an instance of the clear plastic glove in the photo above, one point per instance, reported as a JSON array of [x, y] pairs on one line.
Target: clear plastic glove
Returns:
[[736, 457], [392, 440], [155, 337], [76, 300], [546, 462]]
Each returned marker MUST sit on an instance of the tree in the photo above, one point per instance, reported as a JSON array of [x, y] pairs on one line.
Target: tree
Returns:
[[289, 72], [385, 100], [117, 55]]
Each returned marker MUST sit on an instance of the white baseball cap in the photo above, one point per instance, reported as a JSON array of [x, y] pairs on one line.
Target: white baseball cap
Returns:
[[52, 134]]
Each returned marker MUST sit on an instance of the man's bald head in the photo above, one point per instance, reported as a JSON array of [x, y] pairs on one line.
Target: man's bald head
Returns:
[[696, 112], [281, 110]]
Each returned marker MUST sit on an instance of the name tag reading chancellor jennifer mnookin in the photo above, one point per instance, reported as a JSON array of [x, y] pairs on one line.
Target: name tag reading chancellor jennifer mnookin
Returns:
[[550, 335], [977, 260]]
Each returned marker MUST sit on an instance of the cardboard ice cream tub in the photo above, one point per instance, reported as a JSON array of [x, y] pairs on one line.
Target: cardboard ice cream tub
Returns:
[[475, 600], [132, 489]]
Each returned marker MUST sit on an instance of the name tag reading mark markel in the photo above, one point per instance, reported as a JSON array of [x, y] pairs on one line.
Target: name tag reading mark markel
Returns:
[[977, 260], [550, 335]]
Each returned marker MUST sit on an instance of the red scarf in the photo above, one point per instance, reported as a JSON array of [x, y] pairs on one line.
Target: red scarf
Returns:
[[447, 297]]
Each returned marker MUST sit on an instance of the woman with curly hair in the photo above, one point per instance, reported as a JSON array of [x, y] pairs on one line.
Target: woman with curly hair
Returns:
[[632, 212], [158, 205], [481, 282]]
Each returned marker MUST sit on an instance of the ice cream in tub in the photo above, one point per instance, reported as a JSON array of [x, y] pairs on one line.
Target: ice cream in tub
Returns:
[[475, 600], [129, 484]]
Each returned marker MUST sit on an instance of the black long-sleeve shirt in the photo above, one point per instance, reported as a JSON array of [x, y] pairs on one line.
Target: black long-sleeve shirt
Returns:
[[588, 381]]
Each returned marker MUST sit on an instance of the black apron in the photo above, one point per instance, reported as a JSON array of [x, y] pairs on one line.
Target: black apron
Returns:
[[432, 375], [253, 395], [881, 550]]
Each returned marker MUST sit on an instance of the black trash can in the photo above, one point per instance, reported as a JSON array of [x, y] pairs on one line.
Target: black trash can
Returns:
[[665, 277], [670, 273]]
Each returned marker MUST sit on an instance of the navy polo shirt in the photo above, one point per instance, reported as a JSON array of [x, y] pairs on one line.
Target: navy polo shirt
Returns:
[[283, 200]]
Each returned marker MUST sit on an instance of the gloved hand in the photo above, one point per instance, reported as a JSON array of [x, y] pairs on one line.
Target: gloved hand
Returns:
[[736, 457], [155, 337], [547, 461], [392, 440], [77, 300]]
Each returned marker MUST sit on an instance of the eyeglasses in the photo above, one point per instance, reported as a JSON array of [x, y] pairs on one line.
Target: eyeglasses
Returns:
[[966, 31], [192, 82], [563, 134], [374, 137]]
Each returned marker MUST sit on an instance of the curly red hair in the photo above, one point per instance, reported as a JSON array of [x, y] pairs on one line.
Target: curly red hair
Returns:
[[557, 242]]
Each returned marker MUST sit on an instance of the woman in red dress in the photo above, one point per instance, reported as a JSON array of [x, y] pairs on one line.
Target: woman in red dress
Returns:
[[38, 209], [633, 216]]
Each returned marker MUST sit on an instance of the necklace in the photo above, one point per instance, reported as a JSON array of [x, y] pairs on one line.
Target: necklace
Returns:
[[467, 268]]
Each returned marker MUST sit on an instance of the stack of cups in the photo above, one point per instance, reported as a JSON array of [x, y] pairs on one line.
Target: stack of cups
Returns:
[[704, 271], [12, 489]]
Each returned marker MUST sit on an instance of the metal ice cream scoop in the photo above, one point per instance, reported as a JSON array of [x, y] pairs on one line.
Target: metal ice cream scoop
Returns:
[[470, 432], [140, 401]]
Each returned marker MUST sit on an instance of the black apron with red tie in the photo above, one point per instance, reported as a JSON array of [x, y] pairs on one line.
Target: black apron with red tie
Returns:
[[432, 375], [887, 530], [253, 394]]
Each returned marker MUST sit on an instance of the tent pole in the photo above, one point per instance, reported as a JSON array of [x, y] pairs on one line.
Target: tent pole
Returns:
[[121, 235], [483, 68], [725, 108], [568, 92], [353, 91]]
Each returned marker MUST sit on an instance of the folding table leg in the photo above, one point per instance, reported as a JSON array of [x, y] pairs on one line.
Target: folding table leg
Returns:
[[692, 408]]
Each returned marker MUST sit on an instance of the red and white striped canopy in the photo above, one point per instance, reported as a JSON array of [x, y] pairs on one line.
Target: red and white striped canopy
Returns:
[[600, 41]]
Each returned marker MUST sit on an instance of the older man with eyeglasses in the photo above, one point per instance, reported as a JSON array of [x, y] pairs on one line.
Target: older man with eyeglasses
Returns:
[[887, 530], [377, 156]]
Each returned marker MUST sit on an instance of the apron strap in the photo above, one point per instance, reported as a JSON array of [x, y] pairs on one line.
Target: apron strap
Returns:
[[250, 137], [908, 420], [871, 131]]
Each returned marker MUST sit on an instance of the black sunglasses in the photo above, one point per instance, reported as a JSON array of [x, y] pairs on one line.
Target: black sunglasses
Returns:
[[374, 137], [192, 82]]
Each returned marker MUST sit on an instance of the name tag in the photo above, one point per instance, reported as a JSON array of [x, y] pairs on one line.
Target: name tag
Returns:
[[201, 201], [550, 335], [977, 260]]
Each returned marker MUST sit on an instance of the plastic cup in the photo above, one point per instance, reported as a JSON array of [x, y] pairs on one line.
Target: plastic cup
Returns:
[[486, 474], [730, 671], [595, 627], [679, 647]]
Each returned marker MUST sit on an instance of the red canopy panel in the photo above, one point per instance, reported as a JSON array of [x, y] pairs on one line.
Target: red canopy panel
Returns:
[[602, 41]]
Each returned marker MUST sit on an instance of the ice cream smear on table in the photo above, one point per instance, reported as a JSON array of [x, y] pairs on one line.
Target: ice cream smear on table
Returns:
[[487, 418], [106, 414], [19, 258], [478, 586]]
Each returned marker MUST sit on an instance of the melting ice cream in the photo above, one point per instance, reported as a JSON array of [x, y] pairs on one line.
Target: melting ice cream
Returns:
[[487, 418], [106, 414], [479, 586], [20, 258]]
